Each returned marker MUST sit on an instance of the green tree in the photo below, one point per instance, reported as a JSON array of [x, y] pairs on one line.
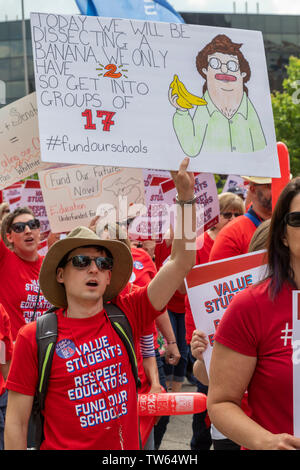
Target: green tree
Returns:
[[286, 110]]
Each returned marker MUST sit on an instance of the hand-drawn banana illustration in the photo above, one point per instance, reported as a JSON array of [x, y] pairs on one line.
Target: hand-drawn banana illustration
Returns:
[[185, 99]]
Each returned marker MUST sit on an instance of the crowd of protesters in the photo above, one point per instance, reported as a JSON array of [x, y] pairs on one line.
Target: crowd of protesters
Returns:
[[91, 399]]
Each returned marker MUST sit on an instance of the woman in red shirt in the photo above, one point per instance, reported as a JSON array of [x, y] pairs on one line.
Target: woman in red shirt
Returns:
[[251, 351], [231, 206]]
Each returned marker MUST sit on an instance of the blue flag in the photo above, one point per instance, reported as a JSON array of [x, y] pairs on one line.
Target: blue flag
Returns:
[[151, 10]]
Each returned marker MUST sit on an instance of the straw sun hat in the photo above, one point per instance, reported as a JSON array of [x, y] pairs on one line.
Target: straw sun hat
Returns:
[[258, 179], [80, 237]]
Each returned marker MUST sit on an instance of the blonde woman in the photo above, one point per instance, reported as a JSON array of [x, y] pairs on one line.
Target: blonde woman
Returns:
[[231, 206]]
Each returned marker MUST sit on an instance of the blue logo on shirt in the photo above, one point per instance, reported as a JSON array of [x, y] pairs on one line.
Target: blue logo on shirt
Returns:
[[65, 348], [138, 265]]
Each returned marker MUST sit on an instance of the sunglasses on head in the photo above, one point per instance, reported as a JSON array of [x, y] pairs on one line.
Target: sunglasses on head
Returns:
[[228, 215], [83, 261], [19, 227], [292, 219]]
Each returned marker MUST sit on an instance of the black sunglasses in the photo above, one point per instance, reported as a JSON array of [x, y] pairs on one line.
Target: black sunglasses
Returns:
[[83, 261], [292, 219], [228, 215], [19, 227]]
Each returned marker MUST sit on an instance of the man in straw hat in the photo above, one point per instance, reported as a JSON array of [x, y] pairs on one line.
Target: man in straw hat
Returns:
[[91, 399], [235, 237]]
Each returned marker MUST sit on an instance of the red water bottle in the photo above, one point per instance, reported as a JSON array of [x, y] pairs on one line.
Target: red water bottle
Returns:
[[168, 404]]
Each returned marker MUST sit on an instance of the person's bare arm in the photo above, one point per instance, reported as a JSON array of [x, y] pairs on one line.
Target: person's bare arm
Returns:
[[163, 323], [229, 375], [200, 372], [183, 254], [151, 371], [18, 412]]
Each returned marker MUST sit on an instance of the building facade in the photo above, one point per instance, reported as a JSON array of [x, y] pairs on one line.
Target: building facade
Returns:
[[281, 35], [12, 60]]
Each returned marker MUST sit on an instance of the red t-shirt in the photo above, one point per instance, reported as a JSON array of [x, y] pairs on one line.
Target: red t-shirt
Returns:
[[19, 288], [144, 268], [204, 245], [233, 239], [254, 325], [148, 329], [162, 252], [143, 271], [6, 343], [91, 379]]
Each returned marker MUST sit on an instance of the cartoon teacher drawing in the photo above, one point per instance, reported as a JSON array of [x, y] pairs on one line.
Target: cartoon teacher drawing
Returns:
[[225, 119]]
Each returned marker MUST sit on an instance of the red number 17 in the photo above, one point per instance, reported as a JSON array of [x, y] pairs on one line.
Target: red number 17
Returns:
[[107, 122]]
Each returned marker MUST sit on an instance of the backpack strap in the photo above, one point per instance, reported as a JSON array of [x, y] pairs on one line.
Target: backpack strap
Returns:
[[46, 336], [121, 325]]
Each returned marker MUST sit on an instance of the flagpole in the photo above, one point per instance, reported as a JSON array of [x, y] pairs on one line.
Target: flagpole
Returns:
[[24, 51]]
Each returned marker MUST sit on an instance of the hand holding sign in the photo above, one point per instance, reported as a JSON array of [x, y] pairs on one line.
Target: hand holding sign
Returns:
[[199, 344], [184, 181]]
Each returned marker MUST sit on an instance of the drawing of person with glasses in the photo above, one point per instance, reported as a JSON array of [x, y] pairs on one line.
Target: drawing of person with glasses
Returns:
[[228, 122]]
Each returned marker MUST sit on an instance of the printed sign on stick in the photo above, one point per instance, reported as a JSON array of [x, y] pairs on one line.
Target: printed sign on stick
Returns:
[[32, 197], [234, 181], [145, 94], [212, 286]]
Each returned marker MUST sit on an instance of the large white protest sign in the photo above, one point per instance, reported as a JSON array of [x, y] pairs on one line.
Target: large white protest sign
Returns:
[[75, 194], [19, 138], [145, 94], [212, 286]]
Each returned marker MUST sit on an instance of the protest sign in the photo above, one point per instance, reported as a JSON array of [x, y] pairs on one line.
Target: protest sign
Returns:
[[43, 247], [141, 94], [75, 194], [32, 197], [212, 286], [208, 209], [20, 144], [234, 181], [153, 221], [13, 191], [152, 181]]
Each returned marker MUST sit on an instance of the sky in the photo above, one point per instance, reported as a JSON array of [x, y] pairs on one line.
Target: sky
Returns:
[[10, 9]]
